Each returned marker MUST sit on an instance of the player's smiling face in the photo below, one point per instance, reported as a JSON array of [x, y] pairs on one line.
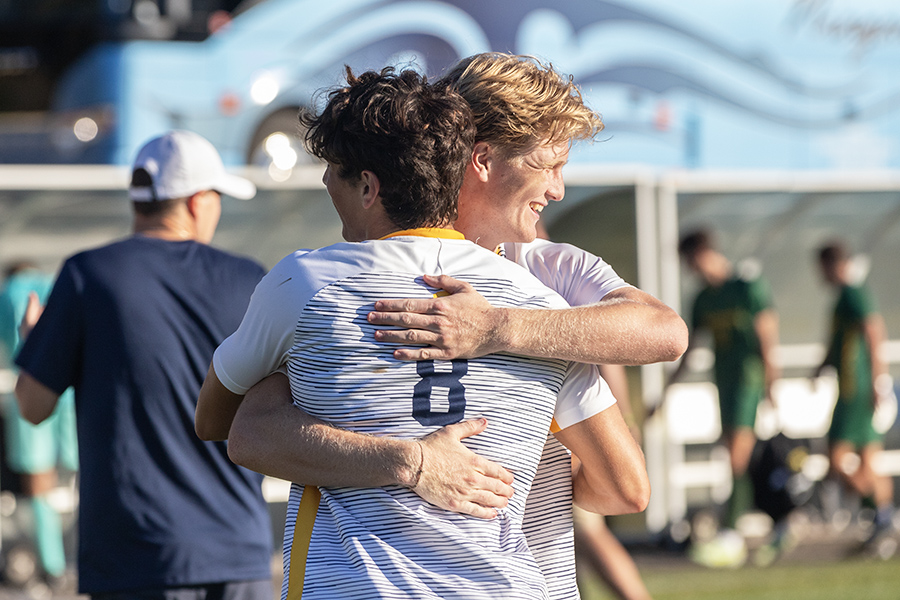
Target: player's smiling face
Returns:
[[518, 190]]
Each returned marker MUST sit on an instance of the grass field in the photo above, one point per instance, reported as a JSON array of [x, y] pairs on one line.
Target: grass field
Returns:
[[855, 579]]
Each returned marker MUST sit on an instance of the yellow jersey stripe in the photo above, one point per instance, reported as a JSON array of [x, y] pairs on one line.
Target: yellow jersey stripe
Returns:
[[430, 232], [303, 528]]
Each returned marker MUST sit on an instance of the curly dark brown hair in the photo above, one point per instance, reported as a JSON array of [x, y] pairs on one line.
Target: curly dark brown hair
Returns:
[[416, 137]]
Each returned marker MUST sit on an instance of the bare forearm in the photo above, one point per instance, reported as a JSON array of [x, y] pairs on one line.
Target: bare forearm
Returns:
[[36, 400], [609, 475], [766, 327], [617, 330], [627, 327], [215, 410], [272, 436], [590, 496], [875, 336], [277, 439]]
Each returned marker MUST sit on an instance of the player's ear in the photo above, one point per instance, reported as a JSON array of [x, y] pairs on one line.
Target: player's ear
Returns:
[[196, 204], [482, 160], [370, 188]]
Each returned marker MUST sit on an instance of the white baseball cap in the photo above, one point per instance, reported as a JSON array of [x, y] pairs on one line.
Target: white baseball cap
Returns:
[[179, 164]]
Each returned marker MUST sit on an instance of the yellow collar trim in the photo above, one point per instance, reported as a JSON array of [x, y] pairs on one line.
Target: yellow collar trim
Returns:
[[431, 232]]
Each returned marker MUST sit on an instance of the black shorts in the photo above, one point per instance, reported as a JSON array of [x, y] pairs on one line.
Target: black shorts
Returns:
[[228, 590]]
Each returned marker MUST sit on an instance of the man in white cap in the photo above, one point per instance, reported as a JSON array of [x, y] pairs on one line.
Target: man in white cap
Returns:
[[132, 327]]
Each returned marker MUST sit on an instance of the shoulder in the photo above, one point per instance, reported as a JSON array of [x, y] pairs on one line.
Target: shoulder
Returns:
[[578, 275], [94, 260], [544, 250], [112, 256], [858, 297], [307, 260], [303, 269], [705, 298], [745, 284], [855, 291]]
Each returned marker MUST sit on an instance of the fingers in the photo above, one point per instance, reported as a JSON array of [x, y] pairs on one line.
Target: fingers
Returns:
[[498, 484], [465, 429], [433, 344], [420, 335], [457, 479], [473, 510], [447, 283], [410, 354], [493, 477], [479, 497], [495, 472], [483, 503], [423, 306], [33, 312], [493, 499], [406, 305]]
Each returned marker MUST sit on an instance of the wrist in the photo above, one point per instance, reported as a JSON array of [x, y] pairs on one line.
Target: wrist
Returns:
[[411, 464], [417, 477], [500, 336]]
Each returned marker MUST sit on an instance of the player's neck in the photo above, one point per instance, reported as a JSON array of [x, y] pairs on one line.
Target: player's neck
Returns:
[[164, 229]]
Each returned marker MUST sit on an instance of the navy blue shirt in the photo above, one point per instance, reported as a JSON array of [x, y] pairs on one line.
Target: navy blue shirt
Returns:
[[132, 326]]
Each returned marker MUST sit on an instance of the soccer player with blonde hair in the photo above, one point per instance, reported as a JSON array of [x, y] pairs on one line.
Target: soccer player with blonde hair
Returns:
[[526, 115]]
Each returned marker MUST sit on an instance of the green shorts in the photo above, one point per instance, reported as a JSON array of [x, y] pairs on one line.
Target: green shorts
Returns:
[[740, 394], [40, 448], [852, 421]]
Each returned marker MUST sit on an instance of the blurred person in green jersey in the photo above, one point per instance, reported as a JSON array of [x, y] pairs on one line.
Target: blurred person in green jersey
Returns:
[[738, 312], [855, 350]]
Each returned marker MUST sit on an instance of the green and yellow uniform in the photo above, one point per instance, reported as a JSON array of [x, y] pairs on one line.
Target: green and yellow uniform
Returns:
[[849, 354], [728, 312]]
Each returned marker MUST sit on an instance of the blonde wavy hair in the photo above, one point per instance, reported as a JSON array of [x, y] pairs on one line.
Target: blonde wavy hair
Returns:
[[520, 102]]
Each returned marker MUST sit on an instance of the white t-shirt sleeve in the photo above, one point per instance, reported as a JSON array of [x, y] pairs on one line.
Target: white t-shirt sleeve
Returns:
[[581, 278], [261, 343], [584, 393], [575, 274]]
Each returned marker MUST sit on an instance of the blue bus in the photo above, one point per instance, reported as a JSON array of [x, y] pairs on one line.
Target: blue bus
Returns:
[[792, 84]]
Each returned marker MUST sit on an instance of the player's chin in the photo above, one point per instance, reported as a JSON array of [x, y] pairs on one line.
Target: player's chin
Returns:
[[523, 237], [529, 234]]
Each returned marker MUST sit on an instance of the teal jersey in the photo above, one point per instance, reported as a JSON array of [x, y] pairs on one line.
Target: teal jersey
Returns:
[[13, 300], [33, 448]]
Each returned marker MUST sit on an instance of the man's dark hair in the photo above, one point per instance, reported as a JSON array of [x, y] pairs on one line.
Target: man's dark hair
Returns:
[[833, 252], [416, 138], [17, 267], [140, 178], [695, 242]]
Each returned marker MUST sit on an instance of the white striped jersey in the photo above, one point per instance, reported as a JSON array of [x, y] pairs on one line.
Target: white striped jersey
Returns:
[[580, 278], [548, 525], [310, 313]]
